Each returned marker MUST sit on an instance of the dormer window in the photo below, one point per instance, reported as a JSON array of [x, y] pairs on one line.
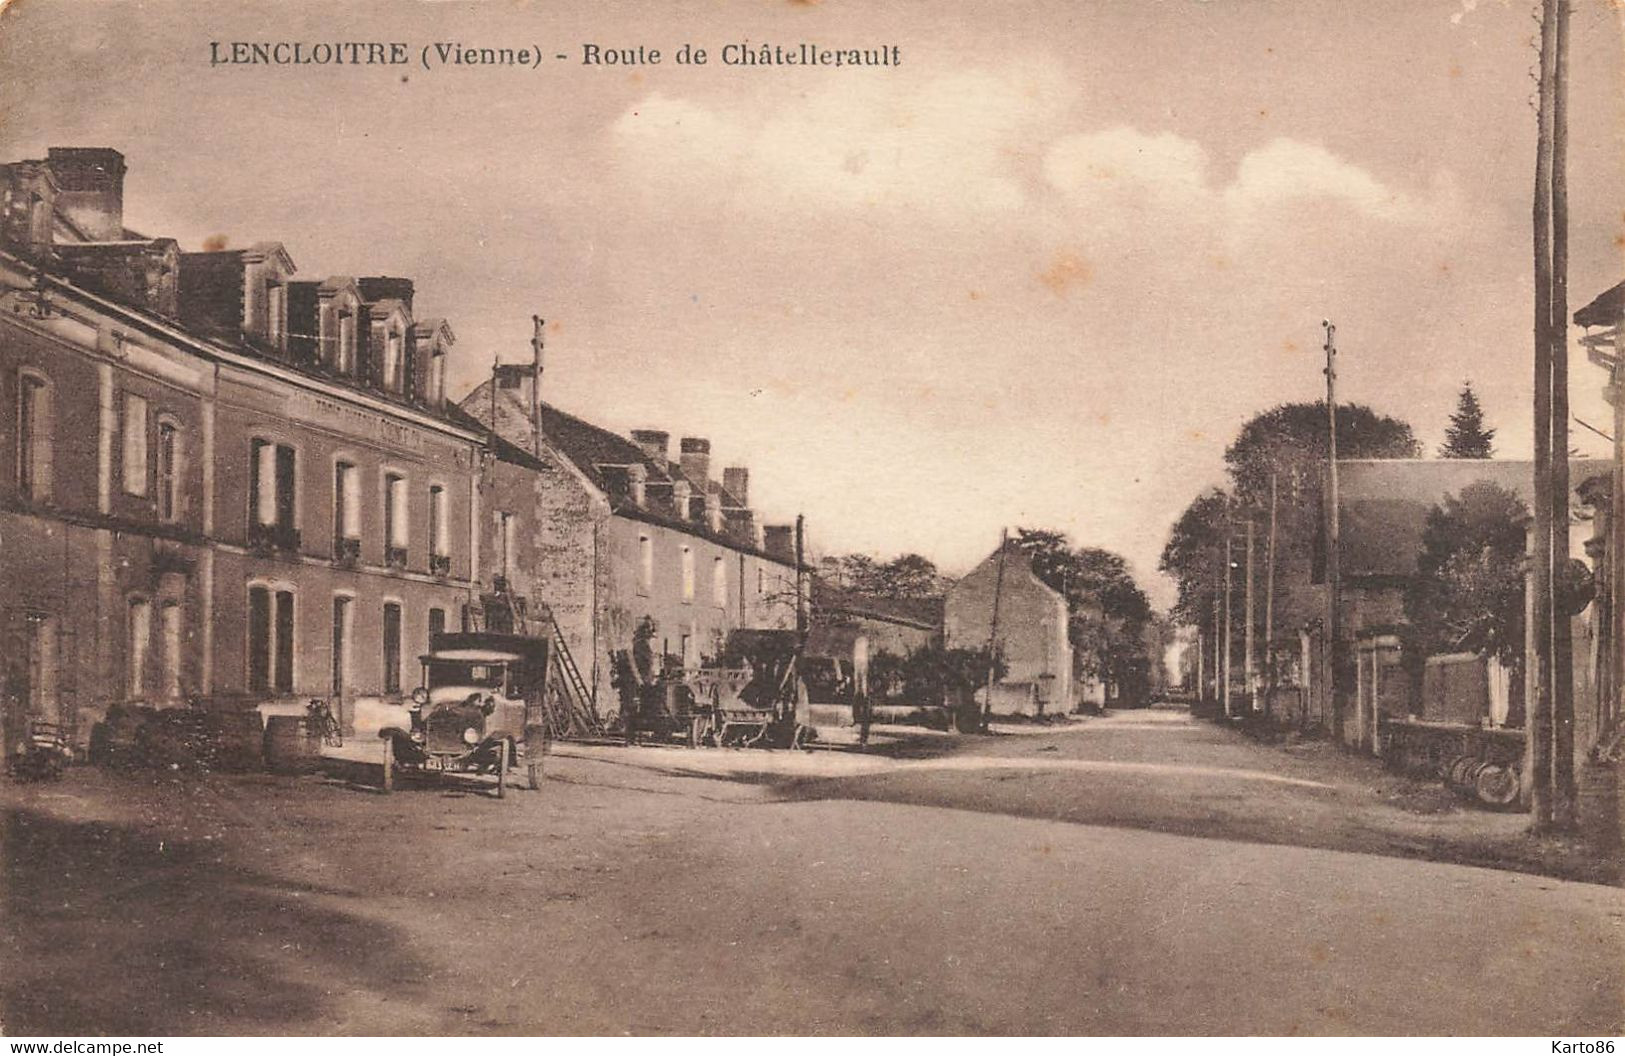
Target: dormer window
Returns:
[[344, 356], [276, 314], [392, 360], [437, 379]]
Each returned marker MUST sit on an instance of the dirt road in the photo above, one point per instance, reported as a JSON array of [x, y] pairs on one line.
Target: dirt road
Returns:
[[1019, 884]]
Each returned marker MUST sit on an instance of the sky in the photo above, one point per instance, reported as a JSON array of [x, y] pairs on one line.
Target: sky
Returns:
[[1038, 273]]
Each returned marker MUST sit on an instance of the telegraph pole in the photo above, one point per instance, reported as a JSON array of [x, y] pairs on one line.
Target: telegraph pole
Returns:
[[1563, 785], [1229, 659], [1334, 556], [1249, 671], [1218, 666], [1269, 606], [1540, 711], [536, 323], [993, 630]]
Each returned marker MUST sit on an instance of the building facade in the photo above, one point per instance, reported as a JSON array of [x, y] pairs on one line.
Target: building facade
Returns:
[[220, 482], [1031, 633], [615, 539]]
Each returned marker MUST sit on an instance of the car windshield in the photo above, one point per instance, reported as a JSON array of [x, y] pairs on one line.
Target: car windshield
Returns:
[[462, 673]]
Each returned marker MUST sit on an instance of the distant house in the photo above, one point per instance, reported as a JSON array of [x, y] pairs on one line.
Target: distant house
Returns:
[[1032, 632], [853, 626], [1384, 506]]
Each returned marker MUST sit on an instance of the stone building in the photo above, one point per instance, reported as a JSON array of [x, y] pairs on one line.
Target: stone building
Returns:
[[221, 481], [1032, 632], [608, 532]]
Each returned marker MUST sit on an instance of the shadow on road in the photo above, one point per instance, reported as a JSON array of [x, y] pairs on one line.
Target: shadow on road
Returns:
[[110, 930]]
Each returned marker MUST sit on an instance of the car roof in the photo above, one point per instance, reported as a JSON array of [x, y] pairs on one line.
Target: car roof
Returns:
[[476, 656]]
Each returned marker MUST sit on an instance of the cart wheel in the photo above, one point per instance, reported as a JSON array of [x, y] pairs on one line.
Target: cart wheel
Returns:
[[502, 769], [389, 764]]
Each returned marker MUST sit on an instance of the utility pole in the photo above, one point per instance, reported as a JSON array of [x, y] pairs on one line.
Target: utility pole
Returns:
[[993, 629], [1218, 665], [536, 323], [1249, 671], [801, 584], [1334, 556], [1563, 784], [1540, 712], [1224, 688], [1269, 607]]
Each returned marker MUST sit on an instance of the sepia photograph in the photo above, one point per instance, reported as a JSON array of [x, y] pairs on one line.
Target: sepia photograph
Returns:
[[812, 518]]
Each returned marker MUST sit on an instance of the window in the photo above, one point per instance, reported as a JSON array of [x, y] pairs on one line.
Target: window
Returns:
[[34, 438], [169, 623], [392, 647], [341, 644], [276, 314], [437, 378], [140, 640], [688, 573], [646, 564], [437, 520], [168, 470], [505, 543], [392, 361], [270, 640], [135, 444], [719, 583], [437, 623], [271, 485], [761, 580], [395, 508], [344, 360], [346, 503], [395, 522]]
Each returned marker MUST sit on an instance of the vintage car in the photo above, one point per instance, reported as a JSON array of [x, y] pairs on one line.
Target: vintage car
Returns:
[[481, 708]]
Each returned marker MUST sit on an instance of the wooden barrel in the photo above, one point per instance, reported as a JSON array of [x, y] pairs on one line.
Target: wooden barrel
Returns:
[[290, 747]]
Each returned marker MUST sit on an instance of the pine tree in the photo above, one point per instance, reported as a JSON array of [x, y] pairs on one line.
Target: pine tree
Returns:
[[1467, 436]]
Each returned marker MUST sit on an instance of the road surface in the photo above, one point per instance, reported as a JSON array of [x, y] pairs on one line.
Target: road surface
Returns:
[[1139, 874]]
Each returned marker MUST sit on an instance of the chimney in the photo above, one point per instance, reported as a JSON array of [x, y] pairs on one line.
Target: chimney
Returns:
[[653, 442], [92, 189], [139, 274], [736, 482], [779, 540], [741, 525], [695, 456]]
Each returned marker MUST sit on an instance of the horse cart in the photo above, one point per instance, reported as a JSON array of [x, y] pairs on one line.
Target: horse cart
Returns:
[[481, 708], [763, 692]]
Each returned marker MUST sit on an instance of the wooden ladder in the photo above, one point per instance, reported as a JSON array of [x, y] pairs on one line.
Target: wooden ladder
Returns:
[[583, 719]]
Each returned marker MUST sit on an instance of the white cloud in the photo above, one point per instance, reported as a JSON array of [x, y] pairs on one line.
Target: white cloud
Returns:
[[1286, 170], [951, 147]]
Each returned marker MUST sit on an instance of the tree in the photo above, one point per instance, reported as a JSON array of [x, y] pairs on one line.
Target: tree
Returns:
[[1194, 554], [1467, 594], [1468, 436], [904, 576], [1468, 591], [1289, 441]]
